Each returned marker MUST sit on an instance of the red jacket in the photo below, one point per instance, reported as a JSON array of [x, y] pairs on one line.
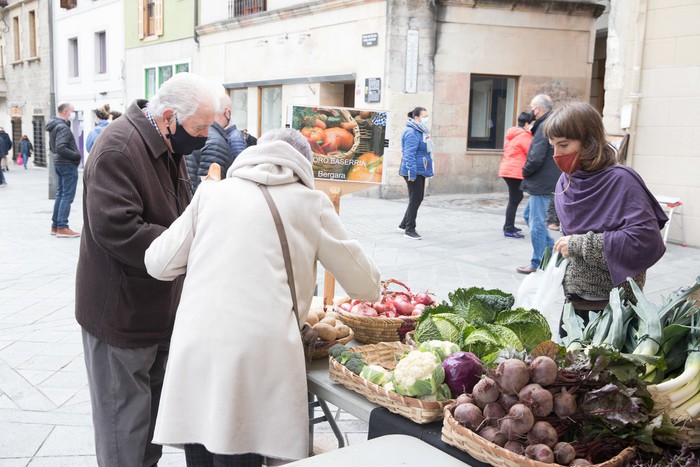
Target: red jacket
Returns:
[[515, 152]]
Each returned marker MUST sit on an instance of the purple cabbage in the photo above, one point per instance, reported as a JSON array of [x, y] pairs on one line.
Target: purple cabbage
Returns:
[[462, 371]]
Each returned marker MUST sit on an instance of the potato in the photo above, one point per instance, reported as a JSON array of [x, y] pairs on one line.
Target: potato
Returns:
[[341, 331], [312, 319], [331, 314], [320, 314], [329, 320], [324, 331]]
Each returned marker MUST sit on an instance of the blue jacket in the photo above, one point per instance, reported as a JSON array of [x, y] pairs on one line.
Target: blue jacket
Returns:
[[415, 158], [95, 133], [236, 141], [5, 143]]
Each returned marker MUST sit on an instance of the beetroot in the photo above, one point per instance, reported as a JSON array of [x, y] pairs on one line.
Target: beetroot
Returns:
[[512, 375], [463, 399], [515, 447], [494, 411], [543, 371], [564, 453], [564, 404], [469, 415], [517, 423], [539, 400], [507, 401], [491, 433], [543, 433], [541, 453], [485, 391]]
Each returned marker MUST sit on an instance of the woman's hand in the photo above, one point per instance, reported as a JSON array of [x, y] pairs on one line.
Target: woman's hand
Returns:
[[562, 245]]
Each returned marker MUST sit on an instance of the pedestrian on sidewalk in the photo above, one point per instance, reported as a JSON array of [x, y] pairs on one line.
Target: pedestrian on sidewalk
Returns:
[[540, 175], [416, 165], [26, 149], [217, 150], [135, 186], [235, 389], [5, 146], [610, 221], [66, 159], [515, 150], [102, 115]]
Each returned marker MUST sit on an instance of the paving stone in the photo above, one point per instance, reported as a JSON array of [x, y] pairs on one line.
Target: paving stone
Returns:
[[64, 461], [14, 462], [68, 441], [22, 440]]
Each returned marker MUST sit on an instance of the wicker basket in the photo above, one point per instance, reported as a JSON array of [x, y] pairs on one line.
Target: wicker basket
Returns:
[[365, 144], [350, 154], [373, 330], [688, 433], [454, 434], [321, 349], [385, 354]]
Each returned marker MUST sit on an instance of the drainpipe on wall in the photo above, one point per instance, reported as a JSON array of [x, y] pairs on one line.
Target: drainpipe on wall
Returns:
[[53, 178], [636, 82], [196, 22]]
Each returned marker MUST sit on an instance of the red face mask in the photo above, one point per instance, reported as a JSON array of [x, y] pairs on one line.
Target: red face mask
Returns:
[[568, 163]]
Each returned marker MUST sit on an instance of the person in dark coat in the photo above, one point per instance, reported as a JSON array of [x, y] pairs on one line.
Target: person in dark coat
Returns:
[[66, 159], [250, 140], [540, 175], [135, 186], [192, 161], [236, 141], [5, 146], [26, 149], [217, 148]]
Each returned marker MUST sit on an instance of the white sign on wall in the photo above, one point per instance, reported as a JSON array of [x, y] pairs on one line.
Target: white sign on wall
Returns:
[[412, 37]]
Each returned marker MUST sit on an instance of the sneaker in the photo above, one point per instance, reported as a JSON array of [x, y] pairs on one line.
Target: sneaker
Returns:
[[53, 230], [400, 229], [67, 233], [513, 234], [517, 229], [553, 226], [412, 234]]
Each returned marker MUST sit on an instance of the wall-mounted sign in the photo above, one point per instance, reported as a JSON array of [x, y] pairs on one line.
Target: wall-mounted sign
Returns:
[[370, 40], [16, 111], [412, 38], [373, 89], [348, 144]]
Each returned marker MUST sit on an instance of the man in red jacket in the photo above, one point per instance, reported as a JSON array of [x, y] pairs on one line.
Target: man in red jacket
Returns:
[[135, 186]]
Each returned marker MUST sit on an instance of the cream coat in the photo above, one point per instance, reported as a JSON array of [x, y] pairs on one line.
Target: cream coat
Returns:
[[236, 377]]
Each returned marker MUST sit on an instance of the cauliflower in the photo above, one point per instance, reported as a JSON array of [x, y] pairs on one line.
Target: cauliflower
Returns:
[[418, 374], [442, 349]]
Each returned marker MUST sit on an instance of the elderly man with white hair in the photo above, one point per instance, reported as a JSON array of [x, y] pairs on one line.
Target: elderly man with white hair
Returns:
[[235, 389], [135, 186]]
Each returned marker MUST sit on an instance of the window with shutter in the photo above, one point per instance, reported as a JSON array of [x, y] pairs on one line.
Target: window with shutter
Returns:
[[158, 17]]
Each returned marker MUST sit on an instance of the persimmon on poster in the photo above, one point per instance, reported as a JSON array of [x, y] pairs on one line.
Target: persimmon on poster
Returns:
[[348, 144]]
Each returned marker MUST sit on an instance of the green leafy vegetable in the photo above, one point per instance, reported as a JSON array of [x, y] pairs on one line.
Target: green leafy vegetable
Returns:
[[442, 327], [490, 338], [376, 374], [529, 325], [442, 349]]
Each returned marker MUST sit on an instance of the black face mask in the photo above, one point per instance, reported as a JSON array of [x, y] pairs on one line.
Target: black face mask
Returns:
[[533, 117], [182, 142]]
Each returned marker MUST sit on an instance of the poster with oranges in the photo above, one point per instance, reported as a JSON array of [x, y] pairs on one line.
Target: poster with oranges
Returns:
[[348, 144]]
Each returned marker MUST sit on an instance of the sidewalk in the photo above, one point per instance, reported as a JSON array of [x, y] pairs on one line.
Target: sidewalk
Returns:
[[44, 403]]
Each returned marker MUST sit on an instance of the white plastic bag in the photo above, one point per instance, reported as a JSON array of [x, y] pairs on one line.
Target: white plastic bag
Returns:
[[543, 290]]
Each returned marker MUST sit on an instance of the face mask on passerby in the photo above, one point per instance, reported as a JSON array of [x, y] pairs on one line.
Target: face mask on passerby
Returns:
[[425, 121], [568, 162], [183, 142]]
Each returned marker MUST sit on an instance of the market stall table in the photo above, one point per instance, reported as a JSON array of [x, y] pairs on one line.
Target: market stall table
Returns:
[[393, 450], [381, 421]]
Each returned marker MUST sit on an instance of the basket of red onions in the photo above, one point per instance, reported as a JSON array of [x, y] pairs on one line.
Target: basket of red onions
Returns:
[[386, 320]]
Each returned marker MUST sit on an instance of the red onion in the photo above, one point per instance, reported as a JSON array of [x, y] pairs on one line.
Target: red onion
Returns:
[[424, 298]]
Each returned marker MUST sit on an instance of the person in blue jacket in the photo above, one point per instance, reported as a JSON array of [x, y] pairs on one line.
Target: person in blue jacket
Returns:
[[102, 115], [416, 165]]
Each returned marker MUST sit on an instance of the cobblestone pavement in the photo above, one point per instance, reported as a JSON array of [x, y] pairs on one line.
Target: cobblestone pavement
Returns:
[[44, 404]]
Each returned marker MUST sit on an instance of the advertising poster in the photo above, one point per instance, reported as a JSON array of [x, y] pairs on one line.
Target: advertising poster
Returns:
[[348, 144]]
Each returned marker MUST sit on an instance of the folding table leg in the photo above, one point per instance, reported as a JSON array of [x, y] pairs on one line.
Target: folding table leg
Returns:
[[327, 417], [668, 224]]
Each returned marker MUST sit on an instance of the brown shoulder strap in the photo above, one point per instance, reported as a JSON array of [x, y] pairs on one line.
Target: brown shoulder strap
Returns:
[[285, 247]]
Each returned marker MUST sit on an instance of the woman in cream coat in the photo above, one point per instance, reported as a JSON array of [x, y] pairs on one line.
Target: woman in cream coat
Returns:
[[236, 376]]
